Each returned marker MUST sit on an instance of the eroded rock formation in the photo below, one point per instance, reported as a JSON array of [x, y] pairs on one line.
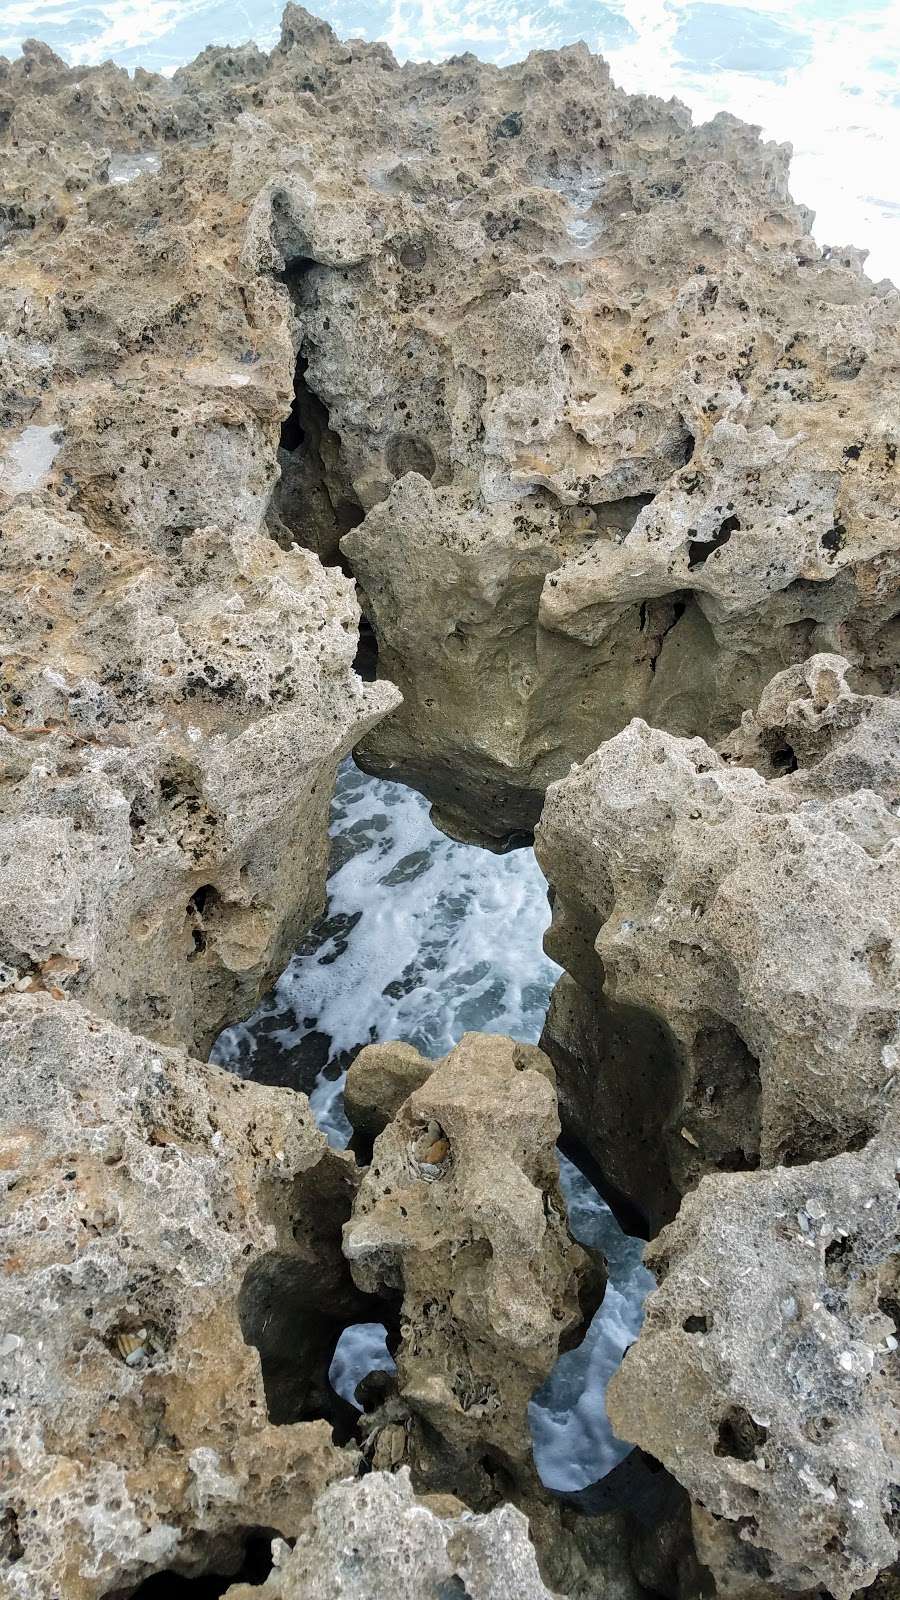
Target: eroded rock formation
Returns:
[[602, 435], [151, 1201], [729, 934], [766, 1374], [460, 1222], [375, 1538], [177, 691]]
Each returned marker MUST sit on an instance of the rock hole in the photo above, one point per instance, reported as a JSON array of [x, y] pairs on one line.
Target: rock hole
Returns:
[[365, 662], [838, 1262], [700, 550], [783, 758], [834, 540], [407, 452], [696, 1324], [279, 1317], [252, 1567], [314, 503], [739, 1436]]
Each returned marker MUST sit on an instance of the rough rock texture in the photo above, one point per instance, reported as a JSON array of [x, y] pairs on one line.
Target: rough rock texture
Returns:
[[733, 994], [378, 1081], [460, 1221], [601, 432], [374, 1538], [622, 435], [149, 1201], [766, 1376], [176, 690]]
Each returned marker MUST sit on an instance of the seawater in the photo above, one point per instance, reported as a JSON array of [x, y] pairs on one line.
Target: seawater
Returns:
[[424, 939]]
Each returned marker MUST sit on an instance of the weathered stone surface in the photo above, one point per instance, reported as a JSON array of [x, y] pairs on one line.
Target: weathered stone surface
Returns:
[[163, 823], [766, 1376], [378, 1082], [149, 1198], [460, 1221], [619, 429], [375, 1538], [734, 989], [177, 691]]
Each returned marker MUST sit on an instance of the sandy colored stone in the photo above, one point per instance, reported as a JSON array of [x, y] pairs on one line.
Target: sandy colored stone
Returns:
[[765, 1376], [733, 993], [379, 1080], [469, 1241], [147, 1198], [600, 428], [374, 1538]]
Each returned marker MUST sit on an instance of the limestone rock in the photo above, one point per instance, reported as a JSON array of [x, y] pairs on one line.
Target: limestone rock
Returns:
[[378, 1081], [599, 427], [734, 988], [765, 1376], [149, 1199], [163, 824], [460, 1221], [177, 691], [374, 1537]]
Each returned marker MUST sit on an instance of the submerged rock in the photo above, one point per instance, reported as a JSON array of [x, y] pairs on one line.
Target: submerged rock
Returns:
[[460, 1222], [148, 1199], [375, 1538], [730, 936]]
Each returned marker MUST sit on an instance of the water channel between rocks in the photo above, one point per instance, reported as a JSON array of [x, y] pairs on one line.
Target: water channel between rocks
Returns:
[[424, 939]]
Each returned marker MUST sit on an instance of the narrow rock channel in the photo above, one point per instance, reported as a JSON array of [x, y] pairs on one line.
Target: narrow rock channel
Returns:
[[424, 939]]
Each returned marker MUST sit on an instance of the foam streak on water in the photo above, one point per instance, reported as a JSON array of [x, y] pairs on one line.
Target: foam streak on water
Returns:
[[424, 939]]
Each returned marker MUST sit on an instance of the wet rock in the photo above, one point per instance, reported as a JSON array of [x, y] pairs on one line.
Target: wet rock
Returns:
[[148, 1198], [732, 995], [375, 1538], [765, 1376], [460, 1223]]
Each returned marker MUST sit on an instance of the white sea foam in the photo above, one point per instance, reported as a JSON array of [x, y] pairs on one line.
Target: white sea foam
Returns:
[[574, 1444], [361, 1349], [430, 939]]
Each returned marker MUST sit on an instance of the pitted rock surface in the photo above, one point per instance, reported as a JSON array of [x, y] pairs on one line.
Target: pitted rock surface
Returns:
[[149, 1198], [374, 1538], [766, 1374], [730, 938], [460, 1222], [601, 429]]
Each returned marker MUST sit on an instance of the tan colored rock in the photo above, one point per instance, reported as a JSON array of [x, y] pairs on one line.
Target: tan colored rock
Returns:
[[765, 1376], [163, 824], [378, 1081], [150, 1199], [734, 989], [619, 429], [375, 1538], [460, 1221]]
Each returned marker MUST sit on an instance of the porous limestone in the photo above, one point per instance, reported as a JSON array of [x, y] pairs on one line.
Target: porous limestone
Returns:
[[460, 1226], [599, 427], [730, 937], [766, 1375], [151, 1201], [374, 1538]]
